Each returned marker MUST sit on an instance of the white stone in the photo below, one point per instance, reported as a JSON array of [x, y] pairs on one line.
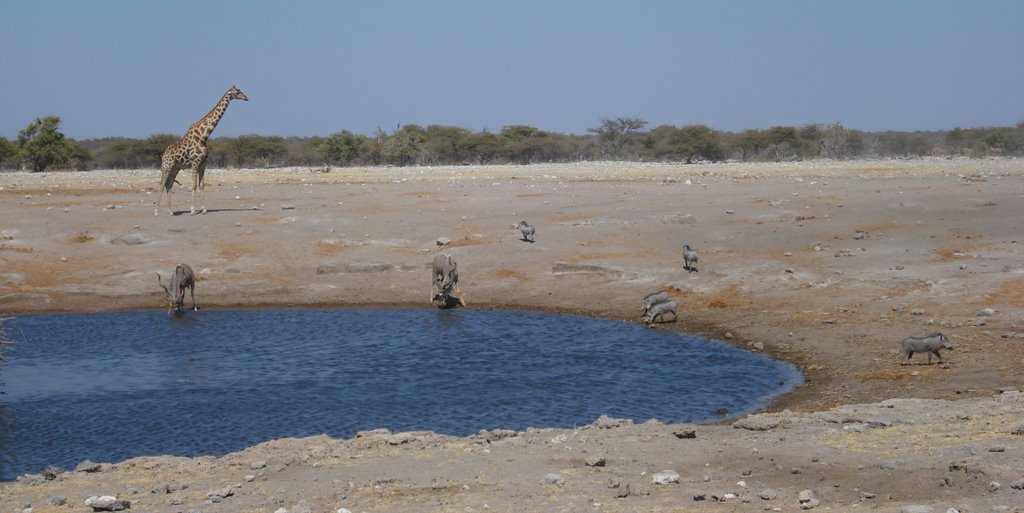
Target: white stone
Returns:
[[554, 479], [915, 508], [665, 477], [813, 503]]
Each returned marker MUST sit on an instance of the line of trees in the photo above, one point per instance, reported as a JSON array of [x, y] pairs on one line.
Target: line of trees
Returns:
[[41, 146]]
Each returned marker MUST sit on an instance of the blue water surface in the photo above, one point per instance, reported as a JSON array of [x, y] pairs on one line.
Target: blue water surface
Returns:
[[111, 386]]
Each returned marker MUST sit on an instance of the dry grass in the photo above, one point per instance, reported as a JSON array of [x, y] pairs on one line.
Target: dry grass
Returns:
[[1011, 292], [230, 251], [329, 248], [568, 218], [879, 227], [612, 255], [471, 242], [8, 247], [509, 274], [950, 253], [81, 237]]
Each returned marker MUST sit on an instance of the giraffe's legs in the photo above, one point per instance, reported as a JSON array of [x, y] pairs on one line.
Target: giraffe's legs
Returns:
[[198, 184], [195, 185], [165, 188], [159, 198], [202, 188]]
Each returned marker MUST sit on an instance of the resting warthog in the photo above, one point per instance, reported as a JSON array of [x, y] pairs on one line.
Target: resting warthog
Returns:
[[660, 309], [183, 278], [930, 344]]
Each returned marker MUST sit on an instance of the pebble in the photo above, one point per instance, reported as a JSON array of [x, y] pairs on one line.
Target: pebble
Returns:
[[554, 479], [915, 508], [665, 477], [107, 503]]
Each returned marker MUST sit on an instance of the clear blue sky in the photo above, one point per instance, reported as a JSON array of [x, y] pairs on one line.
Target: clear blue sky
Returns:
[[135, 68]]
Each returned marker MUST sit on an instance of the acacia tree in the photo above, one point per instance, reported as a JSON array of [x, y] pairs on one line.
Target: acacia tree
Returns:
[[751, 142], [341, 148], [7, 150], [614, 134], [404, 146], [41, 145]]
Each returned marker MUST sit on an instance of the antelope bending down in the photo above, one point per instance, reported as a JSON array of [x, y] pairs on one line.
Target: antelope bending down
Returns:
[[183, 278], [445, 279]]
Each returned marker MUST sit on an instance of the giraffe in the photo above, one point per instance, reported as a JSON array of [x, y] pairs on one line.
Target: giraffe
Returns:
[[190, 152]]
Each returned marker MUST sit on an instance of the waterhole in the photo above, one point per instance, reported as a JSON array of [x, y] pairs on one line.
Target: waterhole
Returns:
[[112, 386]]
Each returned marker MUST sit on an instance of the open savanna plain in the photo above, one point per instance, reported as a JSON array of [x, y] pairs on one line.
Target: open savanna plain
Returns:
[[827, 265]]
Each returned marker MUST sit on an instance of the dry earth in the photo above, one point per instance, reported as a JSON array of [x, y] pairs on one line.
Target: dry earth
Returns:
[[824, 264]]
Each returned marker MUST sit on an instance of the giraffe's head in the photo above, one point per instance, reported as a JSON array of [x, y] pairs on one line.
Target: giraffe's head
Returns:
[[236, 94]]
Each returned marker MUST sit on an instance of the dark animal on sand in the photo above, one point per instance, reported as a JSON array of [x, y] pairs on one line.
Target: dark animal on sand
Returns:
[[527, 231], [689, 258], [930, 344]]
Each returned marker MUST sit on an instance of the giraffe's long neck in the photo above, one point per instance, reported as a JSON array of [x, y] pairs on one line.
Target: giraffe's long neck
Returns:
[[204, 127]]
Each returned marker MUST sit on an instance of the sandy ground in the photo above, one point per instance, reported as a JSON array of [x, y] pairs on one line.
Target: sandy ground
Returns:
[[824, 264]]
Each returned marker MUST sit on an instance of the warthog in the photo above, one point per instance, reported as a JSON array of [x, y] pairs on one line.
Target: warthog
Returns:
[[651, 300], [527, 231], [183, 278], [445, 279], [659, 310], [689, 258], [930, 344]]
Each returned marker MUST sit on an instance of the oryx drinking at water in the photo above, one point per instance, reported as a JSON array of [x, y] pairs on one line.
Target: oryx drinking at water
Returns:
[[183, 278]]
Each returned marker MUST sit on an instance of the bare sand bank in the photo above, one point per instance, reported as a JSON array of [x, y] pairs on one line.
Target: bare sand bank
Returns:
[[824, 264]]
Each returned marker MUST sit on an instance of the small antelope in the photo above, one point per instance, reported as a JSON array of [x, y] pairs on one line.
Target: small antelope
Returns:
[[689, 258], [445, 278], [527, 231], [183, 278], [930, 344]]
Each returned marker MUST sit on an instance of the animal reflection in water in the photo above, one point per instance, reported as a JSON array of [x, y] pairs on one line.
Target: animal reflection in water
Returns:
[[183, 278], [445, 275]]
